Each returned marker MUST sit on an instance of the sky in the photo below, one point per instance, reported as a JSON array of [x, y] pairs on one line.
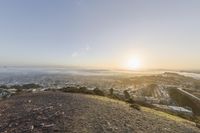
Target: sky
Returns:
[[100, 33]]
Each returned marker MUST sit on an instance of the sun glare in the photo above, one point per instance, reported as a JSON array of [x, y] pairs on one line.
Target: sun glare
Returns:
[[133, 63]]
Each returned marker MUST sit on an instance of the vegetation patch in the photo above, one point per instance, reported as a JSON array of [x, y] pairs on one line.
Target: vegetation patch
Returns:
[[135, 106], [167, 116], [99, 92]]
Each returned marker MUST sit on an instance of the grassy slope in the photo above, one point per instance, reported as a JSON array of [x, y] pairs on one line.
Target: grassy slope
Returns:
[[151, 111]]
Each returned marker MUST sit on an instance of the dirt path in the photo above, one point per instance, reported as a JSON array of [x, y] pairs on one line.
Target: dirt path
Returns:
[[63, 112]]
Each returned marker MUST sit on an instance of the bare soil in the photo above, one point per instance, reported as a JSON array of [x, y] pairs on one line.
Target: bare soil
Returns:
[[49, 112]]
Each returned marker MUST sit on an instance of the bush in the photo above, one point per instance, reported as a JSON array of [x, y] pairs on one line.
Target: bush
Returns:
[[111, 91], [85, 90], [70, 89], [197, 119], [127, 95], [130, 101], [198, 125], [99, 92], [16, 87], [4, 93], [117, 96], [4, 87], [135, 106], [30, 86], [19, 90]]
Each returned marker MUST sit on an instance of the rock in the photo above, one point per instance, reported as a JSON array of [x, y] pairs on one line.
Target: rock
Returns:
[[48, 126], [32, 127], [34, 90], [50, 107]]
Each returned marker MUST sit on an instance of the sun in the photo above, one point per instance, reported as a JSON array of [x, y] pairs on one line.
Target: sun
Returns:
[[133, 63]]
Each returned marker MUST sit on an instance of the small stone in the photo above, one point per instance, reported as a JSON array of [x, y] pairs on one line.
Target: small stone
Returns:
[[50, 125], [50, 107], [108, 123], [32, 127], [116, 128]]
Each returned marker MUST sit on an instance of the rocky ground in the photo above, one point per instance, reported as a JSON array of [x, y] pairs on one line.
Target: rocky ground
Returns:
[[65, 112]]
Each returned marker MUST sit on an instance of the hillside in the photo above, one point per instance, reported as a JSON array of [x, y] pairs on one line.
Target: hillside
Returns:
[[65, 112]]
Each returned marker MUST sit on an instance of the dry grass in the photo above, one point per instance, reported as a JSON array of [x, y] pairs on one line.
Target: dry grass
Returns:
[[148, 110], [167, 116]]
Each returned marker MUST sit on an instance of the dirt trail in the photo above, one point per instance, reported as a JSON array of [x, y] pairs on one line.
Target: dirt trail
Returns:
[[64, 112]]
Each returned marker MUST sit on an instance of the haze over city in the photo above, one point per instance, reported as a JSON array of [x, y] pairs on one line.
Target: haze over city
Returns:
[[105, 34]]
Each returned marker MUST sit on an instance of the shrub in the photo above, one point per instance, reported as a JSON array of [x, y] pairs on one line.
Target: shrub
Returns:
[[198, 125], [127, 95], [118, 97], [4, 93], [85, 90], [130, 101], [16, 87], [70, 89], [4, 87], [111, 91], [99, 92], [30, 86], [135, 106], [19, 90]]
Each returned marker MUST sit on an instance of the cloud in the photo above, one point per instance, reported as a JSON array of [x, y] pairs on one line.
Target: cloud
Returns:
[[75, 54], [81, 51]]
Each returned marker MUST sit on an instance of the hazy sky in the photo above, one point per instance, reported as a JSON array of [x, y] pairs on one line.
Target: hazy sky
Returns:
[[101, 33]]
